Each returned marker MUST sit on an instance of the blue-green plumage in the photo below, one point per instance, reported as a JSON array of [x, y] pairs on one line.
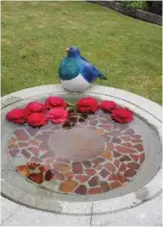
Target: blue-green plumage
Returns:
[[69, 68], [74, 65]]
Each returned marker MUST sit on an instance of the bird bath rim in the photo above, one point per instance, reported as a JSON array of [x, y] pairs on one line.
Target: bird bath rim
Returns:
[[141, 106]]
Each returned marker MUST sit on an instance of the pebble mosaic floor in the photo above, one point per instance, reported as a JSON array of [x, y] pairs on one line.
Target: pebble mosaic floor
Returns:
[[113, 167]]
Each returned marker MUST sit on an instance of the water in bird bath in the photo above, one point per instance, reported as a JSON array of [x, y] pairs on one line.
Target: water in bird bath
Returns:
[[88, 154]]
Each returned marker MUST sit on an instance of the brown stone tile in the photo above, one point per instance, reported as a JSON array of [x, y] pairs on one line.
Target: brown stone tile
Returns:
[[21, 135], [116, 154], [104, 173], [61, 167], [110, 146], [97, 166], [133, 165], [136, 136], [104, 186], [90, 172], [110, 167], [82, 178], [13, 147], [106, 126], [59, 176], [122, 167], [87, 164], [139, 147], [96, 190], [34, 142], [12, 140], [47, 156], [63, 160], [116, 140], [43, 146], [134, 157], [121, 178], [115, 184], [13, 153], [137, 141], [125, 149], [68, 186], [114, 133], [94, 181], [32, 131], [107, 138], [126, 144], [21, 144], [98, 160], [126, 138], [130, 173], [117, 163], [125, 158], [77, 168], [81, 190], [42, 137], [129, 131], [26, 153], [107, 155], [68, 175], [34, 159], [93, 122], [34, 150]]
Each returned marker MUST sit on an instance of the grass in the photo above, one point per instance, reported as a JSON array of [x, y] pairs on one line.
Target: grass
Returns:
[[35, 35]]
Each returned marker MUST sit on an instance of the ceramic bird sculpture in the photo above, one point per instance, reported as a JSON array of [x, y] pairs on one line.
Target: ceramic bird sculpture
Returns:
[[76, 73]]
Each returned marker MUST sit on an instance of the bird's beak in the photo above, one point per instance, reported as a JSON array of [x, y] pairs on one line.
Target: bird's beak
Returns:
[[67, 49]]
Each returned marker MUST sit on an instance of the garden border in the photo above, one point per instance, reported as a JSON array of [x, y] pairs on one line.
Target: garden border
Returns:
[[136, 13]]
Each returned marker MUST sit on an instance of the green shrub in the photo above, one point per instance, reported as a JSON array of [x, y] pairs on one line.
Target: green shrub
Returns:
[[135, 4]]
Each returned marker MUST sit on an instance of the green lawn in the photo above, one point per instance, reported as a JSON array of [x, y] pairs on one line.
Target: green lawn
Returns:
[[35, 35]]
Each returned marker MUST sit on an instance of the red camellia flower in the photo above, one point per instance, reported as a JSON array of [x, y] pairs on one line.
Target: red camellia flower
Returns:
[[55, 101], [122, 115], [108, 105], [37, 119], [57, 115], [88, 104], [16, 116], [34, 107]]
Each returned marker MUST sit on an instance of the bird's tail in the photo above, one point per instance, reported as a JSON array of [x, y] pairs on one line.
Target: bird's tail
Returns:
[[101, 76]]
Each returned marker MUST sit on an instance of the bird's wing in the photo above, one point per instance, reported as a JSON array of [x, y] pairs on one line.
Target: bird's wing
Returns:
[[84, 59], [95, 70], [89, 72]]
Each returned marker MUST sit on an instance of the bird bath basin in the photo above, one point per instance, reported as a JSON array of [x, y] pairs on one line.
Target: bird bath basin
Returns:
[[95, 160]]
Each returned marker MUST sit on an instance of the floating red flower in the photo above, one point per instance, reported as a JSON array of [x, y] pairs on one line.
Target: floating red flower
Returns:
[[37, 119], [49, 175], [36, 177], [87, 104], [34, 107], [16, 116], [23, 169], [55, 101], [108, 106], [57, 115], [122, 115], [32, 165]]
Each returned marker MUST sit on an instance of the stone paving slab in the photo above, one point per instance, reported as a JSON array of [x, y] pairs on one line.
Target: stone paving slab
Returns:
[[148, 214]]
